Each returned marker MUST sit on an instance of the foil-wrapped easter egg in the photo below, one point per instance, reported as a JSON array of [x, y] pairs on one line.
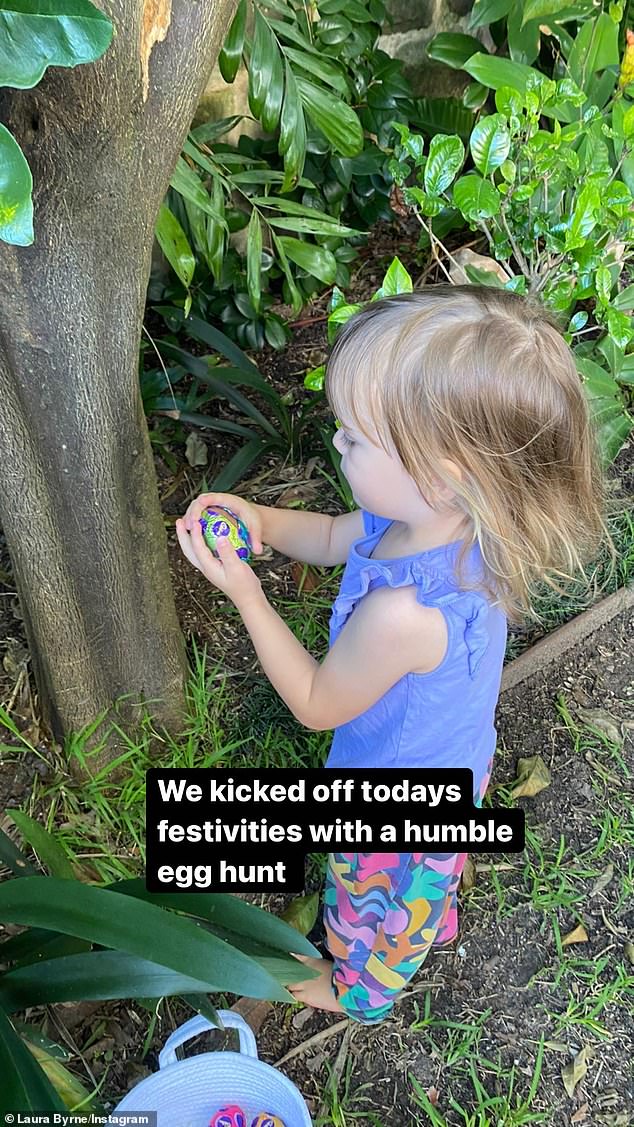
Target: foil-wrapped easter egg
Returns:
[[231, 1116], [266, 1120], [219, 522]]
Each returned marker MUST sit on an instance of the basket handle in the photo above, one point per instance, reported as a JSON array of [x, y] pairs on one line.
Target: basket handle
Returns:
[[199, 1024]]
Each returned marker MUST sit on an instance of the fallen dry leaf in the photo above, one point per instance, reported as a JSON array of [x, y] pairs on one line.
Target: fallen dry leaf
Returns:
[[578, 935], [532, 776], [629, 952], [304, 577], [467, 257], [576, 1070], [433, 1095], [196, 450], [253, 1010], [602, 881], [598, 718], [397, 202], [580, 1114], [468, 878]]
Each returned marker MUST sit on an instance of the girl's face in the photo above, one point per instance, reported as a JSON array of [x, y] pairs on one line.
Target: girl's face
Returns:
[[378, 480]]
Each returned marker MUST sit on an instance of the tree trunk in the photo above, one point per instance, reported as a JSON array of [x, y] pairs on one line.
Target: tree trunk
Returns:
[[78, 494]]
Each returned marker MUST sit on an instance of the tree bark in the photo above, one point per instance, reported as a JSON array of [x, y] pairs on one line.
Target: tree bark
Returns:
[[78, 494]]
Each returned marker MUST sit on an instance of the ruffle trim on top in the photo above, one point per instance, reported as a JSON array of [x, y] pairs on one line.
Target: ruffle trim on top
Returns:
[[469, 607]]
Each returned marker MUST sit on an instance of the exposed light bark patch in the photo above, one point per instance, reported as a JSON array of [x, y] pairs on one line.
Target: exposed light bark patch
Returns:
[[157, 15]]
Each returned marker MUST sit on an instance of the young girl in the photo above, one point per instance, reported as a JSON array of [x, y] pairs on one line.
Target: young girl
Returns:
[[465, 437]]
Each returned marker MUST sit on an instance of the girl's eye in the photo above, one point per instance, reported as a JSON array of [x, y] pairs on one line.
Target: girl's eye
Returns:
[[346, 441]]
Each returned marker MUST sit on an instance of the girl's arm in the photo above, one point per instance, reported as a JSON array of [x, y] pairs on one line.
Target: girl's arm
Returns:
[[388, 635], [312, 538]]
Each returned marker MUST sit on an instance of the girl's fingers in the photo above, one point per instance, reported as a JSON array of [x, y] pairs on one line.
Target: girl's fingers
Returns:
[[184, 539]]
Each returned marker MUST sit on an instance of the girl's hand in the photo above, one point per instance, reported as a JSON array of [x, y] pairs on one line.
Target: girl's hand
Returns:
[[316, 992], [229, 573], [247, 512]]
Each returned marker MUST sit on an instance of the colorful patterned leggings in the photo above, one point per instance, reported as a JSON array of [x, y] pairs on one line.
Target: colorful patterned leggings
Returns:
[[382, 913]]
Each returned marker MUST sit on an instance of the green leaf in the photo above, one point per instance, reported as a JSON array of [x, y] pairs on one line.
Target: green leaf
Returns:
[[625, 299], [296, 298], [496, 72], [603, 283], [626, 373], [94, 975], [266, 75], [317, 221], [482, 277], [236, 467], [321, 66], [540, 9], [36, 34], [595, 47], [619, 328], [292, 145], [16, 185], [584, 216], [309, 226], [301, 913], [314, 379], [233, 46], [25, 1086], [220, 908], [175, 246], [200, 330], [188, 184], [212, 130], [126, 924], [446, 156], [489, 11], [49, 851], [316, 261], [340, 316], [254, 259], [453, 48], [524, 39], [337, 121], [475, 198], [11, 857], [490, 143], [397, 280]]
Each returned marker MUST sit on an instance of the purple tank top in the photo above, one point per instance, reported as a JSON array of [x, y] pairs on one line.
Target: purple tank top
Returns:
[[440, 719]]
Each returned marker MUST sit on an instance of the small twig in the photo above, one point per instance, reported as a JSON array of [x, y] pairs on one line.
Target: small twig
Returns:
[[309, 321], [316, 1039]]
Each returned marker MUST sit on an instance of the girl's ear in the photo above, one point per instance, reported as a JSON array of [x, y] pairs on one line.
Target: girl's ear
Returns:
[[442, 488]]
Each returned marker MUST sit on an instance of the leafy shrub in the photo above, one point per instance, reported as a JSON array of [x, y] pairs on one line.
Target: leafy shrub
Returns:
[[550, 183], [327, 98]]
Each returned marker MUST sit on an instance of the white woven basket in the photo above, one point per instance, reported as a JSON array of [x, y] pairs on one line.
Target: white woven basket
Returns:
[[186, 1093]]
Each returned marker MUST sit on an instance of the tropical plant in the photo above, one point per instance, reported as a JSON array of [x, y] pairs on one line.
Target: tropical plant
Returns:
[[326, 97], [278, 427], [83, 942]]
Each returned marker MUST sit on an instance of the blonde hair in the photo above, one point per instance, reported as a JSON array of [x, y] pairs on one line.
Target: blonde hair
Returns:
[[482, 377]]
